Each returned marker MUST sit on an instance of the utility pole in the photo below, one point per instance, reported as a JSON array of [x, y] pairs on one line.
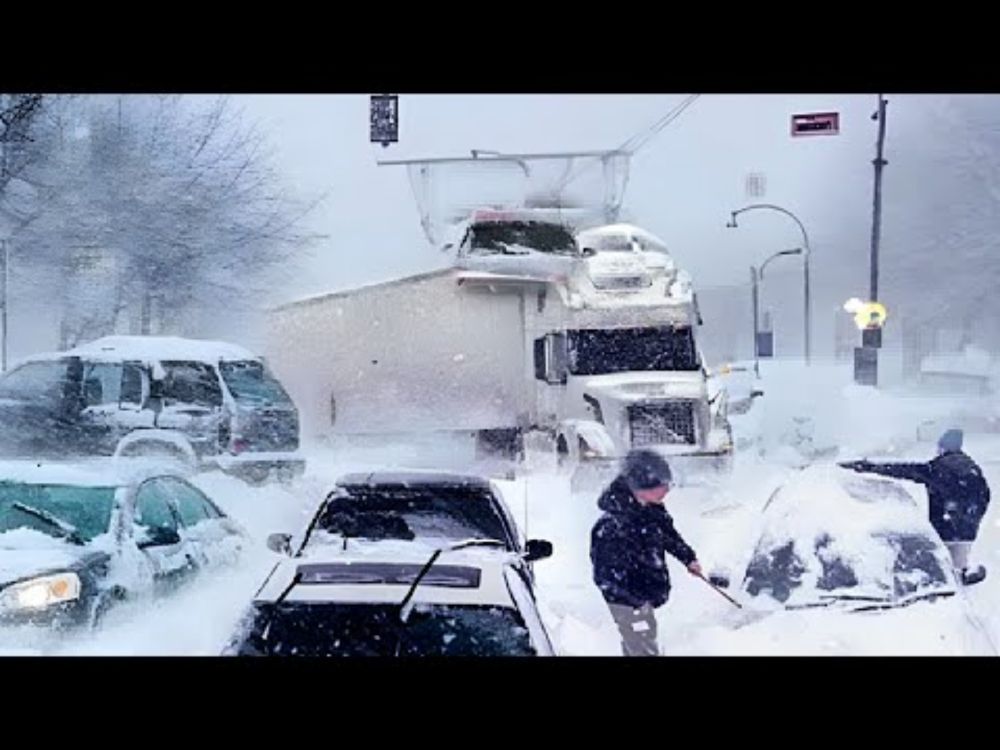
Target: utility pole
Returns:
[[3, 241], [879, 163]]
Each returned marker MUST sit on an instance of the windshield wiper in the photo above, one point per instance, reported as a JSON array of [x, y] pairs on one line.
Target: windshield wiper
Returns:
[[906, 602], [855, 597], [68, 530], [405, 606]]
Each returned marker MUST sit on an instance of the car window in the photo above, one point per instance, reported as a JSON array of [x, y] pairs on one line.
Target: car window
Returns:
[[152, 506], [191, 383], [55, 509], [131, 387], [192, 506], [436, 513], [102, 383], [35, 381], [308, 629]]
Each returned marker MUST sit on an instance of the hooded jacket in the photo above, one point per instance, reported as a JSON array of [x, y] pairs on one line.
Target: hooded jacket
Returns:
[[627, 547]]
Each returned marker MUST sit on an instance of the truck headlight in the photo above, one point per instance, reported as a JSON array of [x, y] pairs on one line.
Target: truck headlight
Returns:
[[42, 592]]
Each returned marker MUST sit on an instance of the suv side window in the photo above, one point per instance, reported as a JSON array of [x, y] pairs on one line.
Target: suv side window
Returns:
[[152, 505], [102, 383], [131, 388], [36, 381], [191, 383]]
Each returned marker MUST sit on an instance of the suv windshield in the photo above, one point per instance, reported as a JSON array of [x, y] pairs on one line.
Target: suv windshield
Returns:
[[604, 351], [520, 237], [250, 381], [309, 629], [86, 509], [440, 514]]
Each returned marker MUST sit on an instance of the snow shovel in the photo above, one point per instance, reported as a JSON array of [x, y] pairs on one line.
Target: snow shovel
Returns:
[[721, 592]]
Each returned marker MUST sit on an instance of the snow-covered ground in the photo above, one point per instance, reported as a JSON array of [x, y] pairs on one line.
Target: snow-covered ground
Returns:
[[805, 416]]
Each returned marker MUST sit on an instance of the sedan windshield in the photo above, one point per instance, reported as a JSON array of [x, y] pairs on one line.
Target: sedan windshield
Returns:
[[306, 629], [57, 510]]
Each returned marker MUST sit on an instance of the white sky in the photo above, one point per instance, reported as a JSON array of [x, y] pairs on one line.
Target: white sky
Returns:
[[682, 186]]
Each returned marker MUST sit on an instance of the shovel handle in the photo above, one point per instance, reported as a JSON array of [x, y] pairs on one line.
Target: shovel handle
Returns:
[[720, 591]]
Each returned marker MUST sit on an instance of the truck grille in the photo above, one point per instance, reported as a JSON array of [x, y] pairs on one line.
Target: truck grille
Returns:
[[667, 423]]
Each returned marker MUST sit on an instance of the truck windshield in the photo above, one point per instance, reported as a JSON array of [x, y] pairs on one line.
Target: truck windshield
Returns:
[[602, 351], [522, 237]]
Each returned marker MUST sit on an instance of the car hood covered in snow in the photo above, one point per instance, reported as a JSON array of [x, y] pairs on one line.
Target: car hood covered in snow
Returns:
[[832, 537], [25, 553]]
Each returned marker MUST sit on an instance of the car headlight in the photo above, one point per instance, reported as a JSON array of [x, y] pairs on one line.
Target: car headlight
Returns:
[[42, 592]]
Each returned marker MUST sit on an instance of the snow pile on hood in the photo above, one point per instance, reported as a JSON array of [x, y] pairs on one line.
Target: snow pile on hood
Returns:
[[830, 523], [25, 552]]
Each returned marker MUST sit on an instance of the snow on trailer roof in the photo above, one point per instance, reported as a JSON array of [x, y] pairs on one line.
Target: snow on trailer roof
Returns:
[[150, 348], [325, 296]]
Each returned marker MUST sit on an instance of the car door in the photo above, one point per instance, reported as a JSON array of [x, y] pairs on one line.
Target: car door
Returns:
[[157, 533], [209, 536], [192, 402], [38, 409]]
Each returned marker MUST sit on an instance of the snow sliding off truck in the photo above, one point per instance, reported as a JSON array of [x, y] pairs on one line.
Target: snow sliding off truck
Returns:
[[531, 341]]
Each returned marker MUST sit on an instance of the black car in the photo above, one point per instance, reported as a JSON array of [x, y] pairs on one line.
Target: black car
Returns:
[[76, 540]]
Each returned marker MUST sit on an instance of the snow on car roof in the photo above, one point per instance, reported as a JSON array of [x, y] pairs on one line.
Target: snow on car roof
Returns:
[[619, 231], [152, 348], [413, 477], [833, 499], [102, 472], [486, 564]]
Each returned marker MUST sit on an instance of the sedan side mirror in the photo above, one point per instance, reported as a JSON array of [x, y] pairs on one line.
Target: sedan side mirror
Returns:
[[280, 543], [159, 536], [756, 394], [537, 549]]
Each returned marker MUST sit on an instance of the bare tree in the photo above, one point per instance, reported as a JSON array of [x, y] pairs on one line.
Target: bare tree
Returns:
[[155, 204]]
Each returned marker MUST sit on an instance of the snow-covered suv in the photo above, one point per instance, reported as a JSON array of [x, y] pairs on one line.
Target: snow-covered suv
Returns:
[[201, 402]]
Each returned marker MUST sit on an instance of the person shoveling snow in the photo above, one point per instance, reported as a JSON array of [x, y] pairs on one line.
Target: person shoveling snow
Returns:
[[627, 549], [957, 494]]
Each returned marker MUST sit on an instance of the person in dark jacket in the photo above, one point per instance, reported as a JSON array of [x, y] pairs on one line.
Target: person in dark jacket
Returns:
[[957, 495], [627, 547]]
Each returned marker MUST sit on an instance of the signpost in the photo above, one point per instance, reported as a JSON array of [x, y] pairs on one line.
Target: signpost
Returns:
[[822, 123], [384, 119], [869, 318]]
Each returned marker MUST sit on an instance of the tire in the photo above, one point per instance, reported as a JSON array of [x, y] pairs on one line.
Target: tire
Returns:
[[255, 476]]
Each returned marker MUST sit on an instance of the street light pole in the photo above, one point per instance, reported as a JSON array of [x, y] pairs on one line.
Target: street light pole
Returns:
[[756, 276], [807, 316], [756, 314], [879, 163]]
